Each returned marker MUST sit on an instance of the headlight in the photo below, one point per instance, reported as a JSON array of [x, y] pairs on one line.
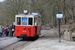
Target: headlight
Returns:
[[24, 27]]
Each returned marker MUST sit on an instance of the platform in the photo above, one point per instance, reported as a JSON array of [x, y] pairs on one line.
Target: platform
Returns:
[[48, 42]]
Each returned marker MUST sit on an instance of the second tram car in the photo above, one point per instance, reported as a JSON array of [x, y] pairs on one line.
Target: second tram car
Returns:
[[27, 26]]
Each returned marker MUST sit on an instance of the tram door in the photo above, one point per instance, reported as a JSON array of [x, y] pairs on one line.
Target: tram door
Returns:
[[27, 22], [37, 23]]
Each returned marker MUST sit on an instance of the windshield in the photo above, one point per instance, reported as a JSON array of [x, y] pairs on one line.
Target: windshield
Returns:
[[24, 21]]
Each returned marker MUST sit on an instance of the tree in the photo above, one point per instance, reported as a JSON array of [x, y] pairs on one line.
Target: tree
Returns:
[[47, 9]]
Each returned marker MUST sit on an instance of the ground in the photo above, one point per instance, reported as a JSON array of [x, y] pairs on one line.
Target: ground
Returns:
[[50, 42]]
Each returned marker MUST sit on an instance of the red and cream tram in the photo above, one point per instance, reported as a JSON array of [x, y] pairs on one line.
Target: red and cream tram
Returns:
[[27, 26]]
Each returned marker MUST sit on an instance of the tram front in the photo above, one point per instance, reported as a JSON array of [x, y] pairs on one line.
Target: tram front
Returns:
[[24, 26]]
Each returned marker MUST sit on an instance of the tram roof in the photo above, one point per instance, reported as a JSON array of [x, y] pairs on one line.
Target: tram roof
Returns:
[[28, 16]]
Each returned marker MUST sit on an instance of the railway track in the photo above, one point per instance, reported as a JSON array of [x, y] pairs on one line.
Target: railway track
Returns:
[[8, 45], [18, 44], [4, 38], [24, 45]]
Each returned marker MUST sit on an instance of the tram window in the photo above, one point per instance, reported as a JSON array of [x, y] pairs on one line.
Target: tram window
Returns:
[[30, 22], [18, 20], [35, 22], [24, 21]]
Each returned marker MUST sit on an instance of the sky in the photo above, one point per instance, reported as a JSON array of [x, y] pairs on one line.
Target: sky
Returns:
[[1, 0]]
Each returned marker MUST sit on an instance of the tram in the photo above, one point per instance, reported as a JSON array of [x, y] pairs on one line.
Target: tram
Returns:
[[27, 25]]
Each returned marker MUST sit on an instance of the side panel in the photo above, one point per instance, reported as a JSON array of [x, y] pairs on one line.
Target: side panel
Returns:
[[37, 30]]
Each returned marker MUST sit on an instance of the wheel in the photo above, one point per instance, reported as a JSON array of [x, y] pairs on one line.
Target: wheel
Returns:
[[18, 37], [24, 38], [37, 36]]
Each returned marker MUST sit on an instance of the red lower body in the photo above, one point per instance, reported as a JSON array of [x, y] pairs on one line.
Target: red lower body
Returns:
[[28, 31]]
